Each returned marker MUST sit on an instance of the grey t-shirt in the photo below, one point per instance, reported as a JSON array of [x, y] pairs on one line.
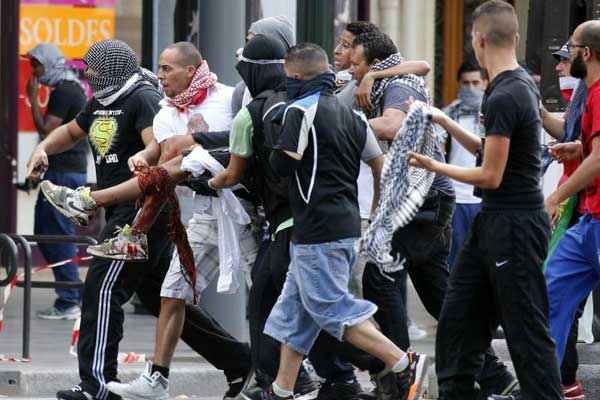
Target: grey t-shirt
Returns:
[[346, 94], [395, 96]]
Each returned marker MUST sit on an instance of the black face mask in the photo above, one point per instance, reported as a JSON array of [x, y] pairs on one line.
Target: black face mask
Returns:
[[293, 87], [299, 88], [578, 68]]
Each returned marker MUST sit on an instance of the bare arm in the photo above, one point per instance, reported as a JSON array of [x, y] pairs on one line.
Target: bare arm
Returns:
[[363, 92], [59, 140], [387, 126], [231, 175], [555, 126], [376, 165], [468, 140], [43, 124], [582, 177], [150, 154], [488, 176]]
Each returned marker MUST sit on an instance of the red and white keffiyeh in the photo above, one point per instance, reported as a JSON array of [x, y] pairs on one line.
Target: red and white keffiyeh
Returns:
[[197, 90]]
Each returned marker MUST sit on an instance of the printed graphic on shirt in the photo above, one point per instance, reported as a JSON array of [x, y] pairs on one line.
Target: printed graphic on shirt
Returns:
[[102, 132]]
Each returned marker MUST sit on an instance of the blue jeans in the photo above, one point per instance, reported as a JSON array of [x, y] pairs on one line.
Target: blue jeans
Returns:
[[48, 221], [573, 271], [464, 215], [315, 296]]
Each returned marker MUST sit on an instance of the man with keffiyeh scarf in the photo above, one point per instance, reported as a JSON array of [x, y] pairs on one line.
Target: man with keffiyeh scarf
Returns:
[[118, 121], [420, 248]]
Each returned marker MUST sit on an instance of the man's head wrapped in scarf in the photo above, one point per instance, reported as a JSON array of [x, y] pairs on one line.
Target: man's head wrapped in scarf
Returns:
[[113, 70], [55, 70]]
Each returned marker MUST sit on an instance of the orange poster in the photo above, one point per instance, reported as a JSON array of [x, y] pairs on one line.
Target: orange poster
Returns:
[[71, 29]]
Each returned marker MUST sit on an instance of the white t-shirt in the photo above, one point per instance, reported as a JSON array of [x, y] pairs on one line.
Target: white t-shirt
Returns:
[[365, 190], [215, 109], [169, 122], [462, 157]]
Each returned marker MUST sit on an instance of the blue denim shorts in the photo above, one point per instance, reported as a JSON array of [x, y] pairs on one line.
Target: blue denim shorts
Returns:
[[315, 295]]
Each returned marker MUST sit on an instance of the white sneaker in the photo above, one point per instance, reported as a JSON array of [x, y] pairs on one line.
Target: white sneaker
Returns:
[[147, 386], [416, 333], [70, 313], [77, 205]]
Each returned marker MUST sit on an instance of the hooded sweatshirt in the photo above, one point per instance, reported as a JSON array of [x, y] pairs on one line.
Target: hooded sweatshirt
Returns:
[[279, 28]]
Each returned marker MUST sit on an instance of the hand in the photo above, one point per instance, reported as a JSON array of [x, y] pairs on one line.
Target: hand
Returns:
[[363, 92], [421, 161], [553, 208], [437, 115], [197, 124], [566, 151], [32, 88], [137, 160], [37, 165]]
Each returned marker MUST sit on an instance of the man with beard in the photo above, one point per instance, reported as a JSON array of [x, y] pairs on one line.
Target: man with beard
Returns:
[[497, 277], [119, 121], [566, 130], [465, 111], [572, 270]]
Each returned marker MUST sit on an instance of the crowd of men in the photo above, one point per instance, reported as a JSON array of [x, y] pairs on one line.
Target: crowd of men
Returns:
[[278, 177]]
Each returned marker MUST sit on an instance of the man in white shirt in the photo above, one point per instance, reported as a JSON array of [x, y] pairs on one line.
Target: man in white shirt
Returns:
[[465, 110], [201, 105]]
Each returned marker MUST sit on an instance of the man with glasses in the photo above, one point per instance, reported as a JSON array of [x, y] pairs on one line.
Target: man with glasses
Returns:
[[572, 270], [566, 129]]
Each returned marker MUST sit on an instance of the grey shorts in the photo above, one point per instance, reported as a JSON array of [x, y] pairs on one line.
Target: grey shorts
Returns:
[[203, 236]]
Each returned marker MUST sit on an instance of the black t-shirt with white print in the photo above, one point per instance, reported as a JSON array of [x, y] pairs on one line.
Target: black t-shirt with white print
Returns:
[[114, 132]]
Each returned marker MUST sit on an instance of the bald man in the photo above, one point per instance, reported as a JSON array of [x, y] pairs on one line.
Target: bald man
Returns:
[[498, 274], [574, 267]]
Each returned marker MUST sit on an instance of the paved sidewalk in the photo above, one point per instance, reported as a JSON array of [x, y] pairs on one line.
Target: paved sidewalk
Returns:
[[53, 368]]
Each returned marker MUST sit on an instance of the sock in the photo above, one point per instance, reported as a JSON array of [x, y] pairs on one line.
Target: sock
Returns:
[[164, 371], [401, 365], [281, 392]]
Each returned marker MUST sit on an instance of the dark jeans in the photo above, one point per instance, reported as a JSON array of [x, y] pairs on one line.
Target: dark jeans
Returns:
[[464, 215], [498, 279], [269, 274], [110, 284], [48, 221], [423, 245]]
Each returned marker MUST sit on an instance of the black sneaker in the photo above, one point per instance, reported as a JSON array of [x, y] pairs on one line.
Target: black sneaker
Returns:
[[339, 390], [257, 393], [502, 385], [409, 383], [236, 386], [305, 388], [75, 393]]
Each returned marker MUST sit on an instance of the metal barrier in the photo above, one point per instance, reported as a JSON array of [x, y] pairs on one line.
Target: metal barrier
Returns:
[[8, 255], [9, 251]]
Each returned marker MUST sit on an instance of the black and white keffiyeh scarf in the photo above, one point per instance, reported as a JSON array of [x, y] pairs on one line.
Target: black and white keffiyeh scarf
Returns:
[[380, 85], [403, 188], [113, 70]]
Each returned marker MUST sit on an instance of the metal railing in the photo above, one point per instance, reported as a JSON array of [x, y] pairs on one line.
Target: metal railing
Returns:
[[13, 245]]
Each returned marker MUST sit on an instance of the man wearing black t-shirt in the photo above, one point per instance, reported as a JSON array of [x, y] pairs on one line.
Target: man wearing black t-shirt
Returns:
[[498, 275], [68, 169], [118, 121]]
